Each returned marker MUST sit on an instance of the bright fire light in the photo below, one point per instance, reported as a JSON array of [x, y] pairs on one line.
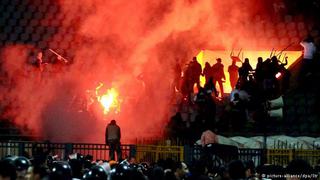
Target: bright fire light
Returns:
[[278, 75], [109, 100], [202, 63], [210, 56]]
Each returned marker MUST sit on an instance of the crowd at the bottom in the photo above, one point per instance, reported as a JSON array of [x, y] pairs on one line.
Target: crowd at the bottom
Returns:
[[83, 167]]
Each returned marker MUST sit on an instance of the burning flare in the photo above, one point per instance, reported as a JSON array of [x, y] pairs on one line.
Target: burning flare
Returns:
[[108, 100]]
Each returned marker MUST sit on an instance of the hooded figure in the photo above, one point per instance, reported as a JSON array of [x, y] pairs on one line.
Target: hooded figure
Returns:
[[113, 136]]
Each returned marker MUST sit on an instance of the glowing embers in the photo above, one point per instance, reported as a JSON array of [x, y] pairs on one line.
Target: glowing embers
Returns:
[[278, 75], [109, 99]]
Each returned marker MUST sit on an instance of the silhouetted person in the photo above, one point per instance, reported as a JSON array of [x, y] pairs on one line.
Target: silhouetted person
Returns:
[[196, 71], [233, 74], [177, 75], [268, 84], [39, 61], [244, 70], [274, 66], [187, 81], [251, 87], [198, 171], [309, 50], [207, 71], [274, 73], [209, 109], [218, 75], [297, 167], [40, 65], [259, 71], [266, 68], [238, 112], [22, 165], [203, 117], [210, 87], [243, 95], [200, 98], [181, 170], [176, 126], [285, 76], [250, 169], [7, 170], [113, 136], [237, 170], [40, 155], [208, 138]]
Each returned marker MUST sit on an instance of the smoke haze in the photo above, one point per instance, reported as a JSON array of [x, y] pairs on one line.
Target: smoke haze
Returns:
[[129, 45]]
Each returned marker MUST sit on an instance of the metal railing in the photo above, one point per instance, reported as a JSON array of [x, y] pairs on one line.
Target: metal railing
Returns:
[[256, 155], [98, 151], [284, 156], [279, 156], [152, 153]]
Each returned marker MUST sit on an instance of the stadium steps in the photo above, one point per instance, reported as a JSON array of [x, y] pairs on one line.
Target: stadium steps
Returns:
[[301, 112]]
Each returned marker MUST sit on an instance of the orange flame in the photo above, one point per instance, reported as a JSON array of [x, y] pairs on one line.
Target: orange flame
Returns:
[[109, 100], [202, 63]]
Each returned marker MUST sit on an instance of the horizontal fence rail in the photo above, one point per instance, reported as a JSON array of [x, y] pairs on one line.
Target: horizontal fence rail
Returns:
[[153, 153], [284, 156], [62, 150], [256, 155]]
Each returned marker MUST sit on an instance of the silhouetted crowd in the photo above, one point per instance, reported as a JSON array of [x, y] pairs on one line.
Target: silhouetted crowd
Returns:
[[80, 167], [198, 105]]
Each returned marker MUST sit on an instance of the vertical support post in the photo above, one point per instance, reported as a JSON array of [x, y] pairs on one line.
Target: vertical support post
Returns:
[[132, 151], [188, 154], [21, 147], [68, 148], [181, 153]]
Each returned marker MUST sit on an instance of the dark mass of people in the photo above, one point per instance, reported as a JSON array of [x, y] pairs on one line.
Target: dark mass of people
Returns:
[[198, 116], [206, 107], [84, 167]]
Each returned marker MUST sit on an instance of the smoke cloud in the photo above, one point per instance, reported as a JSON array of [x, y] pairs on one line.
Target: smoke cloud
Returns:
[[131, 46]]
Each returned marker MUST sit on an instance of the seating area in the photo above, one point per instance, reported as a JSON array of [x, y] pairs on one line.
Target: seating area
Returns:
[[60, 85]]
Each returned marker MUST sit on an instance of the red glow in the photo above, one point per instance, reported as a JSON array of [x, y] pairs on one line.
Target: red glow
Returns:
[[112, 45], [109, 99]]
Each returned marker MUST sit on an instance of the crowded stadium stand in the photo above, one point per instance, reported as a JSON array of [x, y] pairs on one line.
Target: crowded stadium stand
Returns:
[[272, 134]]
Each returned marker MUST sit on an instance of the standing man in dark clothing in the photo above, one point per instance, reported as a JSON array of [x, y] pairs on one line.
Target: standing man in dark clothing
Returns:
[[233, 74], [218, 75], [196, 71], [259, 71], [207, 72], [187, 80], [177, 75], [113, 136], [244, 70], [210, 87], [274, 66], [238, 113], [267, 78]]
